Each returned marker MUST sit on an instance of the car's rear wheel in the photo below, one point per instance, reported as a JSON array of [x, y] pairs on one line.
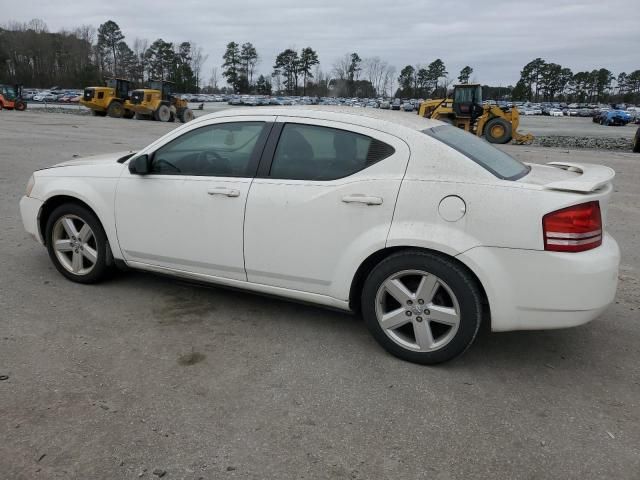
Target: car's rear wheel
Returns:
[[422, 307], [636, 141], [77, 244]]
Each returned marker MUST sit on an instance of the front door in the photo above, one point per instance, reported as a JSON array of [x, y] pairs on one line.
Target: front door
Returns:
[[188, 213]]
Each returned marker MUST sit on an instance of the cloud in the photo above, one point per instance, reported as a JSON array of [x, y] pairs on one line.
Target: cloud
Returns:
[[495, 37]]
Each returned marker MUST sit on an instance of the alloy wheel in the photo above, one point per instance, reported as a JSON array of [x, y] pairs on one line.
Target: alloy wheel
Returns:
[[74, 244], [417, 310]]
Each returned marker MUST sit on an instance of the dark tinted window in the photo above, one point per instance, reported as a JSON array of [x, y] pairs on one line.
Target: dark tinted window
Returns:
[[222, 150], [307, 152], [480, 151]]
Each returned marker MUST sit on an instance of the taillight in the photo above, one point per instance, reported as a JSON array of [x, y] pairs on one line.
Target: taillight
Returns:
[[573, 229]]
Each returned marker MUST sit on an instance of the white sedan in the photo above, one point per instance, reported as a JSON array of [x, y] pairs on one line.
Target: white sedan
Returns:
[[422, 228]]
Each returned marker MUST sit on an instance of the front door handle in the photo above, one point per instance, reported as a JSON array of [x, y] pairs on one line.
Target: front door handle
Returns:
[[360, 198], [227, 192]]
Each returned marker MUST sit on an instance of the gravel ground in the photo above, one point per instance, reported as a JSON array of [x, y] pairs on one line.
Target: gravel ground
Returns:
[[147, 374], [564, 132]]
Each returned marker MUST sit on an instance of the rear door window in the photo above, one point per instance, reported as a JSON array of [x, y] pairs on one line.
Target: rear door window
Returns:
[[310, 152], [480, 151]]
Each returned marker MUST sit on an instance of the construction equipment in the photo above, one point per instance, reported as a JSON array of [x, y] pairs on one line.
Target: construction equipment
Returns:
[[159, 103], [466, 111], [11, 98], [108, 100]]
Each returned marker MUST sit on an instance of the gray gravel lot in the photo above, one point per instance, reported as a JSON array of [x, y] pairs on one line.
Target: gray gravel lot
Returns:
[[147, 373]]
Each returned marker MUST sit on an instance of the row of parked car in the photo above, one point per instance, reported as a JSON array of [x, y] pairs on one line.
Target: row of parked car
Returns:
[[408, 105], [63, 96]]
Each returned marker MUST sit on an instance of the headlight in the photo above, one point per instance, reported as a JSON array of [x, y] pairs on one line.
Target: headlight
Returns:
[[30, 184]]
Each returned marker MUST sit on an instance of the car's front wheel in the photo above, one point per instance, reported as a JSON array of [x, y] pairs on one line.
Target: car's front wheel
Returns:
[[422, 307], [77, 244]]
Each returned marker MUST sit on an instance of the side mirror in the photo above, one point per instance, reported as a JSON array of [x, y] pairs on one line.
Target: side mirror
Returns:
[[140, 165]]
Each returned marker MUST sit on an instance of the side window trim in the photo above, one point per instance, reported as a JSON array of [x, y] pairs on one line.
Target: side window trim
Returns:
[[269, 150], [254, 160]]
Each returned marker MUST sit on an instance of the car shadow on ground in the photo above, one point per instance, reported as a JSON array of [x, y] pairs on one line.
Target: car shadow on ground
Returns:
[[183, 302]]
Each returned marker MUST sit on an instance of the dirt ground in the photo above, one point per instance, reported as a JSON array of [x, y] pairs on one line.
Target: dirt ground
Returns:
[[145, 373]]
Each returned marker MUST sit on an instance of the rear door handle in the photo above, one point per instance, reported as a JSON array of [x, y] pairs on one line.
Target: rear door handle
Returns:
[[227, 192], [360, 198]]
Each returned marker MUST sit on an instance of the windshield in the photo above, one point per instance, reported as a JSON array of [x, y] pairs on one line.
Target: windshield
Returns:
[[8, 92], [480, 151], [468, 94]]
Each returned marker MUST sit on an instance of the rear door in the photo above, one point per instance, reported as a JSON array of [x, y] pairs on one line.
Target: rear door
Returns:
[[324, 197]]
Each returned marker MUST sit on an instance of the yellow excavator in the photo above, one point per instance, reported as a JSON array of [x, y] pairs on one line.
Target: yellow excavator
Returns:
[[108, 100], [159, 103], [465, 110]]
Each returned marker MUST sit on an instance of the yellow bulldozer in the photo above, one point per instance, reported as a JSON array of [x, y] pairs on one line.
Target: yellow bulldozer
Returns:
[[466, 110], [159, 103], [108, 100]]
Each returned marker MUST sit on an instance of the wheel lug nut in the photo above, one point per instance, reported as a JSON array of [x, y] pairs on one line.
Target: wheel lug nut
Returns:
[[408, 314], [420, 301], [418, 319], [427, 311], [409, 302]]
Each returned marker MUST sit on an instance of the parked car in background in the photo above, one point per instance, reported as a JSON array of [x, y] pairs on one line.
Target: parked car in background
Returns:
[[405, 223], [408, 107], [555, 112], [385, 105], [45, 97], [614, 118], [396, 104]]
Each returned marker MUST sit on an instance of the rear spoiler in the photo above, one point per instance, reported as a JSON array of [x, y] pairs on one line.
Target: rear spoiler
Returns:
[[591, 178]]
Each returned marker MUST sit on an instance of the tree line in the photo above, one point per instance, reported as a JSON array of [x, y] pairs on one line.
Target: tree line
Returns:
[[35, 57], [31, 55], [547, 81]]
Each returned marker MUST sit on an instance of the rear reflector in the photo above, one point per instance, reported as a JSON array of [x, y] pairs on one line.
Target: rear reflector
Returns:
[[573, 229]]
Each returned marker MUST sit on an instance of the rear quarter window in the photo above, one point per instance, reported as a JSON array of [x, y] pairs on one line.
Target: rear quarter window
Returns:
[[496, 161]]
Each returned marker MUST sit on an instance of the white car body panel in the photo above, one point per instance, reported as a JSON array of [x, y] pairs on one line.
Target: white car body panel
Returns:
[[193, 228], [534, 290], [299, 240], [288, 219]]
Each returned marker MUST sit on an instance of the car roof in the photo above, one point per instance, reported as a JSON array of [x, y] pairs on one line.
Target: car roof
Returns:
[[372, 118]]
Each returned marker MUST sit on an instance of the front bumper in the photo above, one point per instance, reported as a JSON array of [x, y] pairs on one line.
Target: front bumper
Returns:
[[537, 290], [30, 213]]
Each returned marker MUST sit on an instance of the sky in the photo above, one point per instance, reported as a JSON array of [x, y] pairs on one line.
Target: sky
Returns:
[[495, 37]]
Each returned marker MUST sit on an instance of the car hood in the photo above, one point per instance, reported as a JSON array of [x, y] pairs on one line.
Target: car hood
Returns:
[[102, 159]]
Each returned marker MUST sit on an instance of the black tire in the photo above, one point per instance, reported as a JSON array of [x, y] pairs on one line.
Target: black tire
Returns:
[[21, 106], [116, 109], [460, 282], [495, 123], [101, 245], [636, 141], [162, 114], [185, 115]]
